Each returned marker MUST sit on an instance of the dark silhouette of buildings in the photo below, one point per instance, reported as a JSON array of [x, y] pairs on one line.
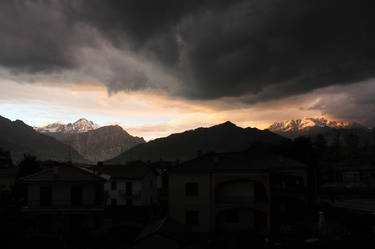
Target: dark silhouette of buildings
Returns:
[[63, 200]]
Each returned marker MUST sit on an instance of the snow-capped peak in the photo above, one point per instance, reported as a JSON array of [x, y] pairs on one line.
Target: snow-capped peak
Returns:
[[83, 125], [80, 126], [304, 123]]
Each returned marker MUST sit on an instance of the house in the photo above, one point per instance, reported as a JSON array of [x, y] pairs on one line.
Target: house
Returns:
[[63, 200], [235, 192], [131, 185]]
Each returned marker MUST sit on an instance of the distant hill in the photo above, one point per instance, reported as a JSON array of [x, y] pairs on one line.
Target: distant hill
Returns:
[[225, 137], [99, 144], [20, 139], [335, 132]]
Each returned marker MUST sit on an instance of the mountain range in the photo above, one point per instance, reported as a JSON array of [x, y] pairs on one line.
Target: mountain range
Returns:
[[93, 142], [80, 126], [333, 131], [86, 142], [19, 139], [225, 137]]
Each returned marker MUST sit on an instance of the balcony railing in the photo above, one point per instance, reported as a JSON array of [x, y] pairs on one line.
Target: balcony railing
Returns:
[[65, 204]]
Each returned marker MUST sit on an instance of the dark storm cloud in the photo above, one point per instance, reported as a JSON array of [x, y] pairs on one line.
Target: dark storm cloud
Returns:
[[289, 46], [350, 102], [150, 26], [35, 36], [263, 49]]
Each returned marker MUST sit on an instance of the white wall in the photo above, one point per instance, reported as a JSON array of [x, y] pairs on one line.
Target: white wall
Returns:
[[144, 191]]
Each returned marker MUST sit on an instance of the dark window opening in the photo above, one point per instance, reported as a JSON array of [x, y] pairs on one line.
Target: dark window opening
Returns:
[[76, 223], [232, 216], [45, 196], [113, 185], [45, 223], [260, 192], [113, 202], [129, 202], [76, 196], [99, 221], [165, 181], [192, 217], [129, 188], [191, 189], [99, 194]]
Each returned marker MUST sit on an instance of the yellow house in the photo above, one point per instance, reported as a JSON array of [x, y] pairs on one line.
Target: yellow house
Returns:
[[231, 192]]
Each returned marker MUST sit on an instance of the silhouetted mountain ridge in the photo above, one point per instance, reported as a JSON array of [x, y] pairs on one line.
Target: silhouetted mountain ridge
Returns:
[[19, 139], [225, 137]]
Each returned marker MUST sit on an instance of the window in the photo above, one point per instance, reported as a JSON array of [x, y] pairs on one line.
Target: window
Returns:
[[76, 196], [129, 202], [113, 202], [129, 188], [45, 222], [191, 189], [192, 217], [76, 223], [113, 185], [232, 216], [45, 196], [99, 194]]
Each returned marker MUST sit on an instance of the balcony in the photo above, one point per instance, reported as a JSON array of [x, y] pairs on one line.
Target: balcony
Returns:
[[63, 205]]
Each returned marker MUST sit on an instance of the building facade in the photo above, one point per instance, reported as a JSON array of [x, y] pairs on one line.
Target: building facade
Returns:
[[234, 192], [131, 185], [63, 200]]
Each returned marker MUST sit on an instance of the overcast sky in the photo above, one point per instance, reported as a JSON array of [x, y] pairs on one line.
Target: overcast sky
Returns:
[[157, 67]]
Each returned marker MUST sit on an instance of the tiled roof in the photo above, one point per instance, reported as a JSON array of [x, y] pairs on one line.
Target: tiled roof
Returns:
[[239, 161], [168, 228], [66, 173], [133, 171]]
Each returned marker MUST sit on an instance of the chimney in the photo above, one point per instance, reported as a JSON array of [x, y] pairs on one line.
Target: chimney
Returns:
[[99, 168]]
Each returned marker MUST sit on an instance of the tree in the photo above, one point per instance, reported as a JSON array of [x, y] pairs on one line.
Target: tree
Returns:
[[303, 150], [320, 142], [28, 166]]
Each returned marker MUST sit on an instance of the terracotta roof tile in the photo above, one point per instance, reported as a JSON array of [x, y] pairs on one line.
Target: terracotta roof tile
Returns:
[[68, 173]]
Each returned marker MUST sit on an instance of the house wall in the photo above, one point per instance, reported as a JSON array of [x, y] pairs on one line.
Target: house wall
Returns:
[[243, 194], [61, 194], [179, 203], [246, 220], [144, 191], [237, 188], [236, 191]]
